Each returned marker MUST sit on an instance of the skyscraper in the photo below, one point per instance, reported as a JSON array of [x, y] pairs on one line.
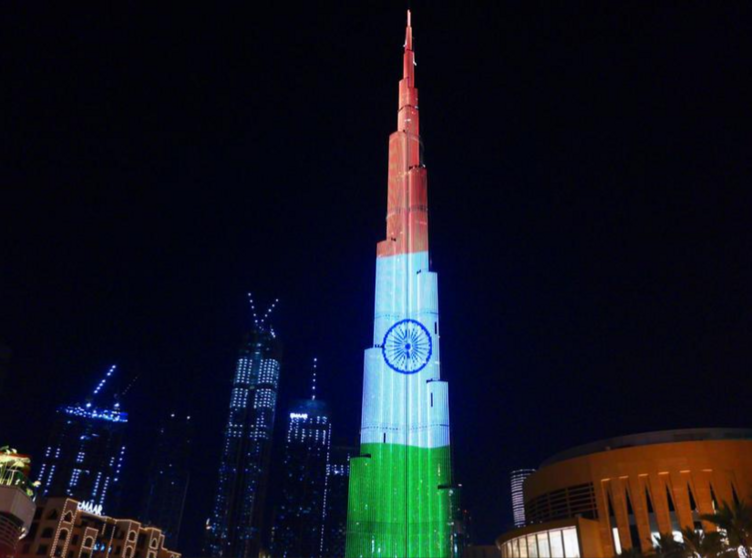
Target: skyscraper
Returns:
[[517, 479], [299, 521], [401, 499], [169, 475], [84, 457], [337, 479], [237, 526]]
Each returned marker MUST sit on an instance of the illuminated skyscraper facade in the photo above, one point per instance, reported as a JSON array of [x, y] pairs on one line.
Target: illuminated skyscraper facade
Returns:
[[401, 499], [337, 479], [299, 521], [517, 479], [84, 457], [169, 475], [237, 526]]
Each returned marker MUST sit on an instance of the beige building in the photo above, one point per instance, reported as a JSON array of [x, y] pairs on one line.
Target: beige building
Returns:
[[64, 528], [603, 498]]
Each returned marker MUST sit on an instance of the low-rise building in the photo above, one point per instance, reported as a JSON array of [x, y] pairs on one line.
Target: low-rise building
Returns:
[[16, 500], [65, 528], [603, 498]]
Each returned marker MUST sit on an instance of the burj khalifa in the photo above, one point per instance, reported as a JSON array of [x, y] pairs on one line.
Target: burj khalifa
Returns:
[[400, 498]]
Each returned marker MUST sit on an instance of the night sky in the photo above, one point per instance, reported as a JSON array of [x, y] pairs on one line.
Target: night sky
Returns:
[[589, 177]]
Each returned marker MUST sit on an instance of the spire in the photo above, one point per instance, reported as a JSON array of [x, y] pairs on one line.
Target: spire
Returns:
[[408, 34], [407, 120], [313, 379]]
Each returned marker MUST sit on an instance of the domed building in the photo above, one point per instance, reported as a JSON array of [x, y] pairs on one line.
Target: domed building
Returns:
[[602, 498]]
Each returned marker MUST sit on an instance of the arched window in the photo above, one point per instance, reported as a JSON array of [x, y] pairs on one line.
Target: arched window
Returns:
[[63, 535], [68, 516], [132, 536], [128, 552], [153, 543], [88, 541]]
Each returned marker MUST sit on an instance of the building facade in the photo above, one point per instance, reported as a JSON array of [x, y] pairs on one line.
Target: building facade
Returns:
[[169, 477], [337, 480], [604, 498], [238, 523], [65, 528], [300, 516], [84, 457], [517, 478], [399, 500], [16, 500]]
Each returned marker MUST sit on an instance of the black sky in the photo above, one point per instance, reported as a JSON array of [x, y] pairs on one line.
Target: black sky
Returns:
[[589, 176]]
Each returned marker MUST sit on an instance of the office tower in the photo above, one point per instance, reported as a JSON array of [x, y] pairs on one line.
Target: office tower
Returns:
[[169, 475], [337, 479], [237, 526], [84, 457], [299, 521], [401, 502], [518, 502], [16, 500]]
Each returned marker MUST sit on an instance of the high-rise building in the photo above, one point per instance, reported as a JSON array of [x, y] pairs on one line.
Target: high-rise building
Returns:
[[84, 457], [401, 499], [169, 475], [299, 520], [237, 526], [16, 500], [337, 479], [517, 478]]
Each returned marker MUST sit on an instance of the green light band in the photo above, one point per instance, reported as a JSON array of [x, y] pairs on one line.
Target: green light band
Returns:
[[397, 506]]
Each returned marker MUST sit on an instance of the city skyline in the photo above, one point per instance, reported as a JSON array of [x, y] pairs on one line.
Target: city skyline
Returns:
[[587, 223]]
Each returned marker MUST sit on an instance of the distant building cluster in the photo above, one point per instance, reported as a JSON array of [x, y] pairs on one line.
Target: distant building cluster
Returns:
[[72, 511]]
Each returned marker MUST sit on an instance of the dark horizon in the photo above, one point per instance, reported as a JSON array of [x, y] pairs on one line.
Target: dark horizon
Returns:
[[588, 219]]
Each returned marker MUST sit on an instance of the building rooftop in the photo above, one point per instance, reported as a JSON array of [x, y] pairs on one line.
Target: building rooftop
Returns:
[[651, 438]]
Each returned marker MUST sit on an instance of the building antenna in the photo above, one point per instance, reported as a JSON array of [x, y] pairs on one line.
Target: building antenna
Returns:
[[130, 385], [268, 312], [103, 381], [253, 309], [313, 379]]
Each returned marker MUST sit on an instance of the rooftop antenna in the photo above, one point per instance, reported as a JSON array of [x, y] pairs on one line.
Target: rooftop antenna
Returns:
[[313, 379], [253, 309], [130, 385], [103, 381], [268, 312]]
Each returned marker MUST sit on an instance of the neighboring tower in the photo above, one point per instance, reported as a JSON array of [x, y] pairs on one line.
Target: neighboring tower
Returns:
[[85, 455], [400, 501], [337, 479], [518, 501], [236, 527], [299, 521], [169, 475], [16, 500]]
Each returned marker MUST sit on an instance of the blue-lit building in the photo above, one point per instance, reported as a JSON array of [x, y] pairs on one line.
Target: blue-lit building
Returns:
[[84, 457], [337, 480], [300, 515], [237, 527], [169, 476]]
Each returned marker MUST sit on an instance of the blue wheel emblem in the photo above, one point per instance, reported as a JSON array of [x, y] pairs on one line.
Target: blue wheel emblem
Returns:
[[407, 347]]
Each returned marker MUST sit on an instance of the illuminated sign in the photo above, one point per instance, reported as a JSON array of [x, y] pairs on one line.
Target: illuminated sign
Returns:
[[298, 416], [90, 507]]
